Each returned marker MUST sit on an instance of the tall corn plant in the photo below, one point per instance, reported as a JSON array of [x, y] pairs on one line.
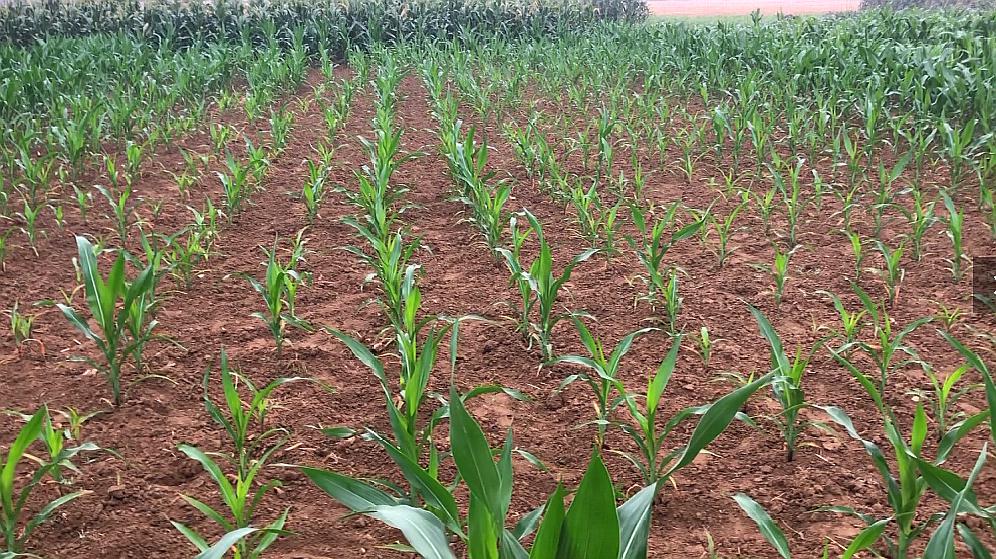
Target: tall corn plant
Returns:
[[112, 302]]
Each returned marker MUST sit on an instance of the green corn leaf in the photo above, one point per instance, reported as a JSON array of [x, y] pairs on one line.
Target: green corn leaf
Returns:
[[220, 549], [423, 531], [634, 523], [473, 457], [195, 538], [769, 529], [657, 385], [591, 526], [547, 539], [715, 421], [353, 494], [27, 435], [941, 544], [866, 538]]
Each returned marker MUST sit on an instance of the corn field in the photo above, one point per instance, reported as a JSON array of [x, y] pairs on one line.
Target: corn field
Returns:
[[495, 280]]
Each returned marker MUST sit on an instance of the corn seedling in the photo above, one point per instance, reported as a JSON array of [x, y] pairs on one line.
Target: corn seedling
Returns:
[[705, 345], [118, 201], [75, 420], [976, 362], [786, 385], [893, 536], [220, 136], [4, 236], [22, 327], [539, 287], [651, 249], [850, 322], [723, 229], [257, 160], [313, 192], [112, 303], [280, 124], [893, 272], [467, 160], [604, 376], [644, 428], [920, 219], [235, 184], [413, 440], [278, 290], [30, 229], [16, 528], [591, 526], [251, 454], [886, 347], [779, 272], [943, 396], [955, 222], [885, 197]]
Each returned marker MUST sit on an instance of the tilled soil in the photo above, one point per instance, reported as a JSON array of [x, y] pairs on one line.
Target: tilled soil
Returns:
[[136, 494]]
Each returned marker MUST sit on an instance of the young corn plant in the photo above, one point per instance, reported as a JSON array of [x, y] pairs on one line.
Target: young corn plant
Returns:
[[778, 271], [592, 526], [893, 272], [118, 201], [858, 248], [112, 303], [278, 290], [419, 343], [723, 229], [955, 222], [887, 346], [976, 362], [241, 492], [313, 192], [281, 121], [943, 395], [661, 278], [220, 136], [850, 322], [468, 160], [786, 385], [894, 535], [14, 524], [185, 250], [705, 344], [235, 185], [604, 375], [539, 287], [597, 220], [920, 218], [644, 428], [22, 328], [30, 229]]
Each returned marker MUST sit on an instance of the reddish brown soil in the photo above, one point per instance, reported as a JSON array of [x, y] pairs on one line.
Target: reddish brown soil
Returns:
[[135, 496]]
